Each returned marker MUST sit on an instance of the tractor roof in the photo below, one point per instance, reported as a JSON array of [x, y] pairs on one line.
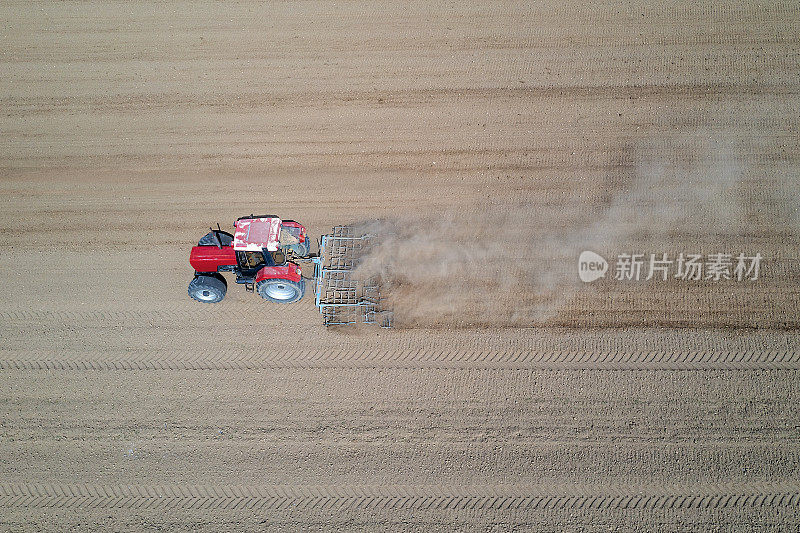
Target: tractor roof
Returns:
[[253, 234]]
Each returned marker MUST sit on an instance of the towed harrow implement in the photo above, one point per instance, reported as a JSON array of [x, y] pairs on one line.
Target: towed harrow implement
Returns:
[[341, 297]]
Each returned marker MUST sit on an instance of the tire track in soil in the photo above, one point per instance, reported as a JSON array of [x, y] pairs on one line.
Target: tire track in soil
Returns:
[[427, 358], [495, 497]]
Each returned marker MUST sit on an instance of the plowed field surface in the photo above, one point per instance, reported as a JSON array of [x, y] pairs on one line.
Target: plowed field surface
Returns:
[[505, 138]]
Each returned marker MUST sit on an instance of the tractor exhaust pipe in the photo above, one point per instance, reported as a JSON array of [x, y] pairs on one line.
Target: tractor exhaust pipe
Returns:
[[217, 240]]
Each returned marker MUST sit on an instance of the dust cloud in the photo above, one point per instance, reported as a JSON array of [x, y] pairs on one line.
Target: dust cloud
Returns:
[[514, 264]]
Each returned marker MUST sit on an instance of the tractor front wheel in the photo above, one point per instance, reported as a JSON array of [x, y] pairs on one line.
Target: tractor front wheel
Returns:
[[208, 289], [282, 291]]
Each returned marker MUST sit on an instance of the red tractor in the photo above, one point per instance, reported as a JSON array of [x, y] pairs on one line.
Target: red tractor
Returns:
[[260, 252]]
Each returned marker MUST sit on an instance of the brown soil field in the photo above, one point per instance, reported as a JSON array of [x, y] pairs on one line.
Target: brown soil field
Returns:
[[504, 139]]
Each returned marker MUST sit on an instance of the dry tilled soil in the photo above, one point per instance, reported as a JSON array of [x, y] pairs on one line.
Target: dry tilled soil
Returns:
[[503, 140]]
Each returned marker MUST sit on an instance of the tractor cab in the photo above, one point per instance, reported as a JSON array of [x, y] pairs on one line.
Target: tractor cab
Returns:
[[270, 234], [257, 243]]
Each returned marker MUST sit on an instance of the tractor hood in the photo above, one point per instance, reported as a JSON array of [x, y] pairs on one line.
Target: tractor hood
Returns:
[[210, 258]]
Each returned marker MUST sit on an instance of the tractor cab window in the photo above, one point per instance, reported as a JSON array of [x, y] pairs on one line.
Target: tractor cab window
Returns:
[[248, 260], [278, 257]]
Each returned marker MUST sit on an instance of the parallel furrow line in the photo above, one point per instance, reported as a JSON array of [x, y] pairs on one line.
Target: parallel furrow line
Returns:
[[344, 497], [692, 360]]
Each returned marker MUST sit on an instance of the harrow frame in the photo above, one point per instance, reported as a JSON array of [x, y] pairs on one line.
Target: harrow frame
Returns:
[[340, 298]]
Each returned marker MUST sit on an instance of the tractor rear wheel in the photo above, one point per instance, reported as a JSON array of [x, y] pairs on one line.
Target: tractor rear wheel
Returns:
[[208, 289], [282, 291]]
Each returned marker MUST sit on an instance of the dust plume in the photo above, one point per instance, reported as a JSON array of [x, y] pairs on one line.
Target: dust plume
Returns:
[[513, 263]]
